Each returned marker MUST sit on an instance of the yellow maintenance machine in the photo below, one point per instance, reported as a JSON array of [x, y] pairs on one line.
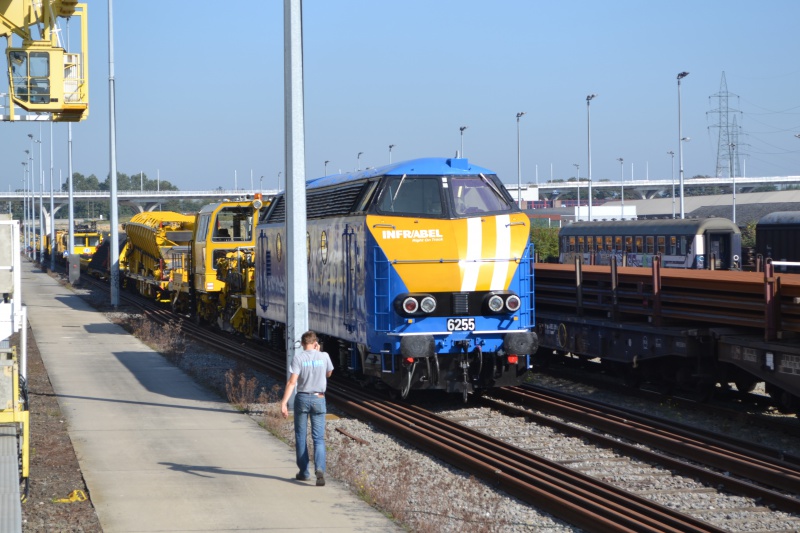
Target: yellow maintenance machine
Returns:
[[201, 264], [156, 252], [223, 281], [86, 239], [43, 76]]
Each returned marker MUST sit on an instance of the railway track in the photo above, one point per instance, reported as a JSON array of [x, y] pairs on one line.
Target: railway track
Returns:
[[745, 407], [769, 476], [578, 498]]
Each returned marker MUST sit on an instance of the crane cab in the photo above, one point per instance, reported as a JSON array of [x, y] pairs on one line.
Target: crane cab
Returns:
[[43, 77], [47, 79]]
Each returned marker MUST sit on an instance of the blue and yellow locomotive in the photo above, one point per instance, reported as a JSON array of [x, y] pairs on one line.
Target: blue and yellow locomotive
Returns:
[[420, 275]]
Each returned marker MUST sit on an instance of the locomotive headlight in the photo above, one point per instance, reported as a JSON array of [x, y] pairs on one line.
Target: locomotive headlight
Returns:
[[428, 304], [513, 303], [410, 305], [495, 304]]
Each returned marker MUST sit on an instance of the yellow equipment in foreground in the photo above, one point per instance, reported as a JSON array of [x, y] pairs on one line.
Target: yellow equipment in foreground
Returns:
[[13, 410], [14, 416]]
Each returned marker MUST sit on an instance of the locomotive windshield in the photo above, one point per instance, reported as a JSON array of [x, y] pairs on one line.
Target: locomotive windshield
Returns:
[[413, 195], [233, 223], [476, 194], [435, 196]]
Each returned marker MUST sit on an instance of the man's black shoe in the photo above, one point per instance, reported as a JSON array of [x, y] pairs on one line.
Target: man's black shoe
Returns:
[[320, 478]]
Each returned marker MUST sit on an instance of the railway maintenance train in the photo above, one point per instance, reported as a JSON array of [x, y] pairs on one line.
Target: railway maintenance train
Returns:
[[420, 276], [201, 264], [710, 243], [87, 238]]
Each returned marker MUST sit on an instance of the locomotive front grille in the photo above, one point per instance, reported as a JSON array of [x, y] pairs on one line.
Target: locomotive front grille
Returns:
[[461, 303]]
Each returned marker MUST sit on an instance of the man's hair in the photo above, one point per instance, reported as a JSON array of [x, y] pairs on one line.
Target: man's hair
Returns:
[[308, 338]]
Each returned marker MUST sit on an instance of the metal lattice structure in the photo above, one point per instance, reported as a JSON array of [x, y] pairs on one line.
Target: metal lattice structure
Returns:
[[728, 131]]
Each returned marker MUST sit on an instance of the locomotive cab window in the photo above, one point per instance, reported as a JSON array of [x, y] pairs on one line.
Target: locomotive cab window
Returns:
[[202, 227], [233, 224], [412, 195], [475, 195]]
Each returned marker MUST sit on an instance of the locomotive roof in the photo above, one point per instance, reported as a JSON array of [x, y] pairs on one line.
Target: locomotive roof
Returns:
[[427, 166], [664, 226]]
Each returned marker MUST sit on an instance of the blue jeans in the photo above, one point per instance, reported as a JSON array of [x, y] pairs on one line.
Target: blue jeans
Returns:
[[313, 406]]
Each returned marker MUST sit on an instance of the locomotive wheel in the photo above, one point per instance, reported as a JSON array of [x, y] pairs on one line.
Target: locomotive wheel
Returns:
[[784, 401], [745, 384]]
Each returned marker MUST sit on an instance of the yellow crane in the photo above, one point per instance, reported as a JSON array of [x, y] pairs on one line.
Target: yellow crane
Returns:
[[43, 77]]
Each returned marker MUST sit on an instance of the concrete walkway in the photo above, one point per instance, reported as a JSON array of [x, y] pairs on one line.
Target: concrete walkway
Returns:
[[159, 452]]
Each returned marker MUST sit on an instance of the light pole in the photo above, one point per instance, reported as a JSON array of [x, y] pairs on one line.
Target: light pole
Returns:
[[680, 141], [52, 208], [390, 153], [27, 210], [25, 203], [461, 129], [733, 179], [261, 184], [672, 155], [622, 187], [578, 179], [358, 161], [326, 166], [32, 208], [41, 200], [589, 147], [279, 181], [519, 163]]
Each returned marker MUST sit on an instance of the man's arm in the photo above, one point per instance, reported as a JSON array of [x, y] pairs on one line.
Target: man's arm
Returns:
[[288, 394]]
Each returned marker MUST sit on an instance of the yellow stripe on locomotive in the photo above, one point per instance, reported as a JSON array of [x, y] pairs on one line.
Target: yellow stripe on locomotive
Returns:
[[472, 254]]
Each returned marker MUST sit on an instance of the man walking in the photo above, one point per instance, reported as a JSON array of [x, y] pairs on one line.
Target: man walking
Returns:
[[309, 371]]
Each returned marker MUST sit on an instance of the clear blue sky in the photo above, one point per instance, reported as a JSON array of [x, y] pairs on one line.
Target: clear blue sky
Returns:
[[199, 87]]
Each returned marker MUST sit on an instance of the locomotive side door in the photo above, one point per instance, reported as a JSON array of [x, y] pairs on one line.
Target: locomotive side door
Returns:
[[350, 262]]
